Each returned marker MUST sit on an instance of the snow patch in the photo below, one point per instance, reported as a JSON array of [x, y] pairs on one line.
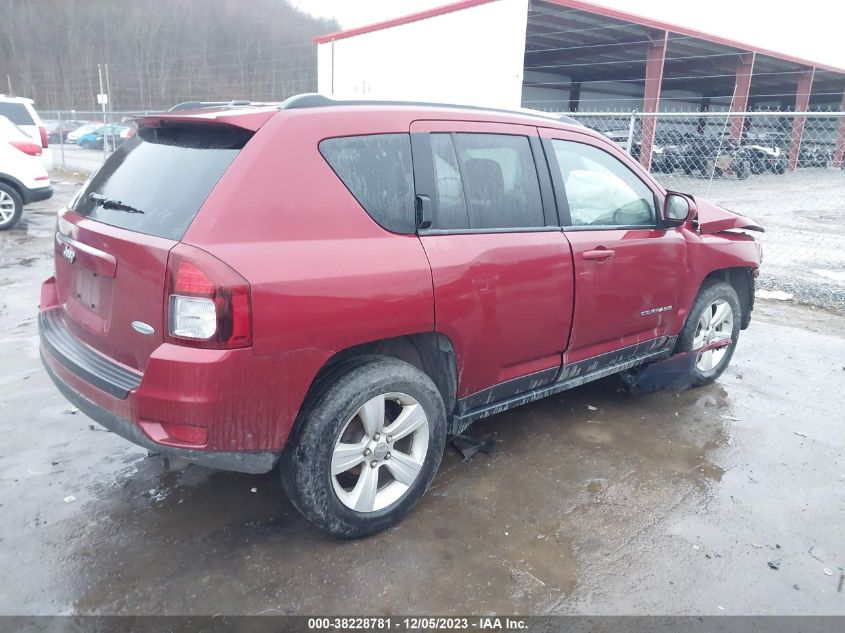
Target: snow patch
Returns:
[[777, 295]]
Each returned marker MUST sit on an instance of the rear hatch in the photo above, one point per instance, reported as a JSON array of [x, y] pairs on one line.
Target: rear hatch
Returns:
[[113, 240]]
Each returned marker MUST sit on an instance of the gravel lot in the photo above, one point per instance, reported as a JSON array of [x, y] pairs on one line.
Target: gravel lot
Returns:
[[803, 213], [729, 499]]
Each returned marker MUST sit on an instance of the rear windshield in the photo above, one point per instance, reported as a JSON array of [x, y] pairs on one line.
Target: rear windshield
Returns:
[[16, 113], [156, 182]]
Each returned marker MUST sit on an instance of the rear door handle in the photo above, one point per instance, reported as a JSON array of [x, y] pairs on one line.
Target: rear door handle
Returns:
[[601, 254], [424, 215]]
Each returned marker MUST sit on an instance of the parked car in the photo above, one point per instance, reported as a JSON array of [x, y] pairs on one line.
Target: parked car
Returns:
[[103, 134], [82, 130], [57, 131], [128, 131], [257, 286], [21, 112], [23, 178]]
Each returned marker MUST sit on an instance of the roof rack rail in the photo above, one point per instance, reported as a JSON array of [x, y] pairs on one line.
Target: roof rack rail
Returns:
[[315, 100]]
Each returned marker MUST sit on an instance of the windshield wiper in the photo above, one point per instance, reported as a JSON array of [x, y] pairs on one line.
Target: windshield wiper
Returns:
[[108, 203]]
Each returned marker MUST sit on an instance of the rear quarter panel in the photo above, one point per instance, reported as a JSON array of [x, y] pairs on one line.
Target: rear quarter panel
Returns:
[[324, 275]]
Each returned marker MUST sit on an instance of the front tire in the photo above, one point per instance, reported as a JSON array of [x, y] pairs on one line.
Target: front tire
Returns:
[[11, 207], [716, 314], [367, 445]]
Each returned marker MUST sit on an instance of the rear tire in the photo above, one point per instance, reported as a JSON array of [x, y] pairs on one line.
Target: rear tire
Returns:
[[699, 330], [342, 468], [11, 207]]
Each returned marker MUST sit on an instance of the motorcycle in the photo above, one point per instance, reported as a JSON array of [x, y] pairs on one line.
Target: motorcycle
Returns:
[[763, 158]]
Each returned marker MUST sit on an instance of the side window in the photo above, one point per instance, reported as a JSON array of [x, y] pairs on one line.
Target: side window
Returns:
[[449, 190], [600, 189], [500, 181], [377, 170], [485, 181]]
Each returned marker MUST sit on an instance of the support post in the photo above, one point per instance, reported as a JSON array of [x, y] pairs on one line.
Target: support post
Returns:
[[651, 94], [839, 152], [742, 88], [802, 103], [629, 145], [574, 96]]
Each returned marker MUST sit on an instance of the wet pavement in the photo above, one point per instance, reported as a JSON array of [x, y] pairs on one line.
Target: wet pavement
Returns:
[[595, 502]]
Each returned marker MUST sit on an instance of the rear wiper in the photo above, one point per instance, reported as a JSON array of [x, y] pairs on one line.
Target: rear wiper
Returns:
[[108, 203]]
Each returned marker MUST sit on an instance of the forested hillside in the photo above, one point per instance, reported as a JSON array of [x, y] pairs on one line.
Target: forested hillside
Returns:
[[159, 52]]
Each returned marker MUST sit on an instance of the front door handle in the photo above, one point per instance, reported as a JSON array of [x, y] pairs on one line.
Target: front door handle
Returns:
[[600, 254]]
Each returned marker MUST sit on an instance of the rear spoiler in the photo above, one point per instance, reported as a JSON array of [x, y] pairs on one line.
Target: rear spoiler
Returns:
[[247, 118]]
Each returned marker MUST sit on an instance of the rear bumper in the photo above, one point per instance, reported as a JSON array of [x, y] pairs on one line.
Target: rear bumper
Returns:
[[37, 195], [138, 407], [244, 462]]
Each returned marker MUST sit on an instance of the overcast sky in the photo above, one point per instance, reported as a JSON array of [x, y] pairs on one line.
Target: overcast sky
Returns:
[[813, 31]]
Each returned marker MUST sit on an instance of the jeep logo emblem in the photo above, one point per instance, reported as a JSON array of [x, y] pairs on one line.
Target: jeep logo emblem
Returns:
[[69, 254], [380, 451]]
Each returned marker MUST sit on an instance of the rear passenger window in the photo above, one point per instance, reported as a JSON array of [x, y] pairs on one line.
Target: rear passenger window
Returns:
[[377, 170], [449, 189], [485, 181]]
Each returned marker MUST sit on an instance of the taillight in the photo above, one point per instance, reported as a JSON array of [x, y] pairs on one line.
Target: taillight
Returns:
[[208, 304], [44, 141], [27, 147]]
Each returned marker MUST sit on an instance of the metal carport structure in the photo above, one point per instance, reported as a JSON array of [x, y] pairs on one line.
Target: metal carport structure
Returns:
[[578, 56]]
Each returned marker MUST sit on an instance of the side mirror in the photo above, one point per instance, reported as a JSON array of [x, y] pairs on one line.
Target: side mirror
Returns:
[[678, 209]]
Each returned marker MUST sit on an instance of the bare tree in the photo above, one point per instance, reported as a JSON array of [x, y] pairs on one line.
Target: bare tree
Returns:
[[159, 53]]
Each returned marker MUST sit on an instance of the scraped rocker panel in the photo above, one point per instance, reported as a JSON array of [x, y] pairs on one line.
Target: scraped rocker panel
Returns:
[[520, 391]]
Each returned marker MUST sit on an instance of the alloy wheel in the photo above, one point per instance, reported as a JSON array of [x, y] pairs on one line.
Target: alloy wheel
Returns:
[[380, 452], [715, 324], [7, 207]]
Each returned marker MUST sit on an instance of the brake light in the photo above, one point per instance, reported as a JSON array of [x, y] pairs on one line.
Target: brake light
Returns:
[[208, 304], [44, 142], [27, 147]]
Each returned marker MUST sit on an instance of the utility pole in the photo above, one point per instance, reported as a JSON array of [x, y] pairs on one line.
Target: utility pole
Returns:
[[9, 81], [108, 92], [102, 100]]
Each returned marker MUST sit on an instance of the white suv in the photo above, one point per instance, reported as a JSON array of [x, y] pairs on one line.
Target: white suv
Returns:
[[23, 178], [21, 112]]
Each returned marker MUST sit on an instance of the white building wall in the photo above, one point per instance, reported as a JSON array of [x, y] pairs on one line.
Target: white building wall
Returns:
[[473, 56]]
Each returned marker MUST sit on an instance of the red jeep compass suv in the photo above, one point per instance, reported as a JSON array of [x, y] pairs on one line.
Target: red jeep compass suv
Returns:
[[337, 287]]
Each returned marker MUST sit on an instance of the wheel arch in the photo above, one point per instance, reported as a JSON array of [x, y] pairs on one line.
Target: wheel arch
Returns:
[[431, 352], [741, 278], [14, 183]]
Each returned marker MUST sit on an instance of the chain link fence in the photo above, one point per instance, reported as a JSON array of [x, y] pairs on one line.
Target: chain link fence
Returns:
[[76, 136], [756, 164], [783, 169]]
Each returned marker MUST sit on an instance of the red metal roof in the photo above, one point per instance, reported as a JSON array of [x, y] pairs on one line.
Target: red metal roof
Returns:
[[413, 17], [584, 6]]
